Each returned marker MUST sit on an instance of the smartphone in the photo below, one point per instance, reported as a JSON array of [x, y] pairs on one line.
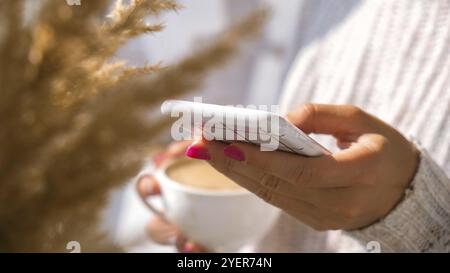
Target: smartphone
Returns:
[[268, 130]]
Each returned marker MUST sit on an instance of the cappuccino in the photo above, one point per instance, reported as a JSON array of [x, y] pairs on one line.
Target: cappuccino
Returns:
[[199, 174]]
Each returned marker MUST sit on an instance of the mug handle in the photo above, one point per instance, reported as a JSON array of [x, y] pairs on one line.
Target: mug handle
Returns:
[[148, 204]]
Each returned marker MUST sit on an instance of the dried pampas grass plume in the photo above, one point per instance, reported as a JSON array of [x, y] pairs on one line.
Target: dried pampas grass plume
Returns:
[[73, 118]]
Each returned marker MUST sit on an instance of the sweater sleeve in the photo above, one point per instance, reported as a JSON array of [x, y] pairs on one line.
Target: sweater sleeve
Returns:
[[421, 221]]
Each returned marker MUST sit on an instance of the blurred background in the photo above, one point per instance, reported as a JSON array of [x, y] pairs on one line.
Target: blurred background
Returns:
[[255, 76], [56, 176]]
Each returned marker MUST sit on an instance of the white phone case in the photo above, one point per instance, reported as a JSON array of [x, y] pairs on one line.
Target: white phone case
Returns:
[[288, 137]]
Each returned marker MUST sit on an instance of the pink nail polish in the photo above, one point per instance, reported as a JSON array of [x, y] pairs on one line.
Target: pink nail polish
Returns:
[[196, 152], [234, 153]]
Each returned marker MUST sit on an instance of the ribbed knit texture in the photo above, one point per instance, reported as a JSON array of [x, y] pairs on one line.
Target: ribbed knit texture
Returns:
[[421, 222], [392, 59]]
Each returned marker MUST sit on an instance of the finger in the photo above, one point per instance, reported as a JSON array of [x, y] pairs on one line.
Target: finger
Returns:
[[147, 186], [180, 242], [323, 196], [161, 231], [316, 172], [318, 216], [331, 203], [341, 121], [159, 158], [267, 194], [274, 163], [186, 246], [254, 187], [305, 211], [333, 199], [315, 221], [271, 182], [177, 149]]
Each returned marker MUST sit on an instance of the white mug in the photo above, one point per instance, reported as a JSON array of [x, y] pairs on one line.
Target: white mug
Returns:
[[221, 221]]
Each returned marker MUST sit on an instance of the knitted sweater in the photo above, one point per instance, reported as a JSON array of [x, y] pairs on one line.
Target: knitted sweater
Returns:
[[392, 59]]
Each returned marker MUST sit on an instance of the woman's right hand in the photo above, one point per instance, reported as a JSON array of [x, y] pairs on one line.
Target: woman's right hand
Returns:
[[159, 229]]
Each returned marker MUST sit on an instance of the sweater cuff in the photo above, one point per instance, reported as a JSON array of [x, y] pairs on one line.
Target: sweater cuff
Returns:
[[421, 221]]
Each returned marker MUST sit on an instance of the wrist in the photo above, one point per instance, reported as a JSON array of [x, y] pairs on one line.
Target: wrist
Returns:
[[420, 222]]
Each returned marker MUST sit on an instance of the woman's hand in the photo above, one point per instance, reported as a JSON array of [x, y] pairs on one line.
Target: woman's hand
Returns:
[[158, 229], [350, 189]]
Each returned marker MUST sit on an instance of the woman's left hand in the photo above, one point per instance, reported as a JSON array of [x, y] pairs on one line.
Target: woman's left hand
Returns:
[[347, 190]]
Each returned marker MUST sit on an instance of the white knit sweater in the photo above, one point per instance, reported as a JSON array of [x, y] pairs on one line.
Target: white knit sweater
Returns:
[[392, 59]]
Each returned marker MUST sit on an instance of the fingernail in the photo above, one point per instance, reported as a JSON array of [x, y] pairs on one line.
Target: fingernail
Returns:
[[188, 247], [197, 152], [234, 153]]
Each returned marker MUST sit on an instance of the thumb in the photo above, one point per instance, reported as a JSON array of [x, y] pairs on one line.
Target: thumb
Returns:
[[341, 121]]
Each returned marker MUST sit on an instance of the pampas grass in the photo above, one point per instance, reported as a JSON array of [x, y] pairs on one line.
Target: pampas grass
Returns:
[[74, 119]]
